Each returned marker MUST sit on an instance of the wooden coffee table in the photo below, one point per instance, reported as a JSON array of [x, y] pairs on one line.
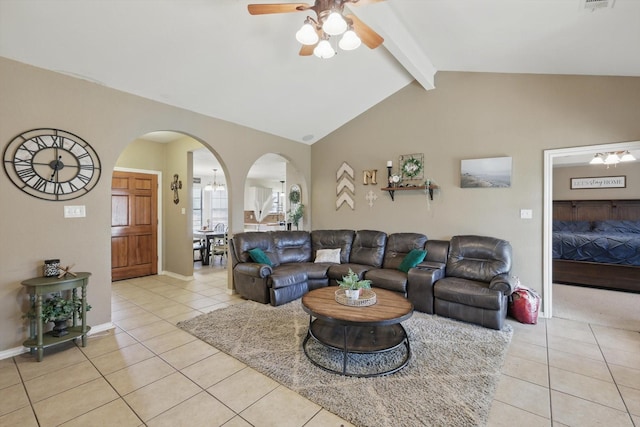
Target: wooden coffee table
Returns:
[[366, 330]]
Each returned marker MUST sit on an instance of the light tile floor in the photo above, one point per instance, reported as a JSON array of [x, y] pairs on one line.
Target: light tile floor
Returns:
[[148, 372]]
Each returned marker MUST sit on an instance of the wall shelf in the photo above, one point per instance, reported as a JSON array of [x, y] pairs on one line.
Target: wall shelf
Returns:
[[392, 190]]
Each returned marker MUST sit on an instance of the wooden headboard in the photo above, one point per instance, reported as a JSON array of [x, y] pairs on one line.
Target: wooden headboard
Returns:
[[596, 210]]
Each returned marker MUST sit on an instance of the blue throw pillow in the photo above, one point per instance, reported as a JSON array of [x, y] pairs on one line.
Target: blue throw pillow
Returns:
[[410, 260], [258, 255]]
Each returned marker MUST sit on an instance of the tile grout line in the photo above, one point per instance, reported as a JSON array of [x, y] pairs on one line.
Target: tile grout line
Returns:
[[624, 402], [179, 371]]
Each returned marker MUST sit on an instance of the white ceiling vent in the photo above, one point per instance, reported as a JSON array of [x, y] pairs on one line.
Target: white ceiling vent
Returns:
[[596, 4]]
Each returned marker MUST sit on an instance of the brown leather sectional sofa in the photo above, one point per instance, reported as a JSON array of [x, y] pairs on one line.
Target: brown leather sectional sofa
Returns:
[[466, 278]]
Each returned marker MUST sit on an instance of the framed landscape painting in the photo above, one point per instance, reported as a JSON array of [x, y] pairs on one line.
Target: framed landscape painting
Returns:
[[486, 173]]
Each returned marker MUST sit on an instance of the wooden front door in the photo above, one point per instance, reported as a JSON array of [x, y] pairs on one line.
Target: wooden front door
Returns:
[[134, 225]]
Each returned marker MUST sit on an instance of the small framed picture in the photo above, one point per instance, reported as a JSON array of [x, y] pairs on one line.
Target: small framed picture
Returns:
[[486, 173]]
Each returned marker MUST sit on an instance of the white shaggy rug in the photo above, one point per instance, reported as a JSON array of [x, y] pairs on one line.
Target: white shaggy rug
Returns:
[[449, 381]]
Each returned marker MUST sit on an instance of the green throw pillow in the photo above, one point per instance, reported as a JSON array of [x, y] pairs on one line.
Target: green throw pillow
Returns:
[[257, 255], [413, 258]]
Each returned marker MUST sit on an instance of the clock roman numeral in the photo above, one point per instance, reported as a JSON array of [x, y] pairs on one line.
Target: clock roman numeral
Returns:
[[58, 189], [26, 174], [40, 184], [85, 179], [22, 162], [39, 143], [25, 148], [57, 141]]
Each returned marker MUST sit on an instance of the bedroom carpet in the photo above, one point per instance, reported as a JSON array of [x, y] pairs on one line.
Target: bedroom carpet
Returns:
[[450, 379], [597, 306]]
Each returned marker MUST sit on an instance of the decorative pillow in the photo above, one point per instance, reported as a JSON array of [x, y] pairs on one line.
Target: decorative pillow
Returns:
[[258, 255], [617, 226], [410, 260], [572, 226], [328, 255]]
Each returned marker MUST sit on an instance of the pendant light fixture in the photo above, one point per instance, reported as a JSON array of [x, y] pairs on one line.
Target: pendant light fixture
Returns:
[[214, 186]]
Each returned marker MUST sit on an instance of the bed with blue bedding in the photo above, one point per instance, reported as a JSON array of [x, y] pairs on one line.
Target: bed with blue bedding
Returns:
[[602, 252], [611, 242]]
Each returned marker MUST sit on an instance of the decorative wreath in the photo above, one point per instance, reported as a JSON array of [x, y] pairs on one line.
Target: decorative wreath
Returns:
[[294, 195], [411, 167]]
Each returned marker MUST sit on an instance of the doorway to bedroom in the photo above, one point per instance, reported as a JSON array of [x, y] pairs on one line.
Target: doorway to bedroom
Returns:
[[560, 166]]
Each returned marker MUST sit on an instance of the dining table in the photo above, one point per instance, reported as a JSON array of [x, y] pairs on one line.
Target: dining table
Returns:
[[209, 236]]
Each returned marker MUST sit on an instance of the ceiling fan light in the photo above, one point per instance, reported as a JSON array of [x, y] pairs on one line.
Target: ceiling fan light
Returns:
[[350, 41], [334, 24], [597, 160], [324, 50], [307, 35], [627, 157], [612, 159]]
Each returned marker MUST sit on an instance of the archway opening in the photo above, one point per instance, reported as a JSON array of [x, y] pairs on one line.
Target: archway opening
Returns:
[[267, 204]]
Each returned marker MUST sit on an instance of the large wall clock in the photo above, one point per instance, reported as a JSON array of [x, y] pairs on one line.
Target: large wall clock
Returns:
[[51, 164]]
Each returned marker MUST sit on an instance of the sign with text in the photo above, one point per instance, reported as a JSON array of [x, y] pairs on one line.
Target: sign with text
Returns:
[[599, 182]]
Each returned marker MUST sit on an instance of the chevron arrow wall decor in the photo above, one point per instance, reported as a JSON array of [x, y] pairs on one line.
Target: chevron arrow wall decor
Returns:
[[345, 188]]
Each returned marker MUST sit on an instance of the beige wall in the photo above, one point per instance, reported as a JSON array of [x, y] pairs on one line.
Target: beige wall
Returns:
[[32, 230], [467, 116], [472, 115], [562, 176]]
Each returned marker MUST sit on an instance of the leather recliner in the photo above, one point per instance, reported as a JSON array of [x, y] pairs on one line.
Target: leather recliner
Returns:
[[477, 281]]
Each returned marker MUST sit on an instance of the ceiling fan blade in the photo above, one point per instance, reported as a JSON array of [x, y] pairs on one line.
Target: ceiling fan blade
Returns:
[[307, 49], [263, 9], [363, 2], [366, 34]]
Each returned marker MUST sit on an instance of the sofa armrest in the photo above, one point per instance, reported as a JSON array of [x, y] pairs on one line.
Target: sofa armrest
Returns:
[[504, 283], [254, 269], [420, 281], [433, 265]]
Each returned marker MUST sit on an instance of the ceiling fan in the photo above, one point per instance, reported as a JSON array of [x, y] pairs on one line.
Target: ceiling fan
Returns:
[[330, 21]]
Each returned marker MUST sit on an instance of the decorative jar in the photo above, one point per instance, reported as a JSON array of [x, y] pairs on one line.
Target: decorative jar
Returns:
[[51, 267]]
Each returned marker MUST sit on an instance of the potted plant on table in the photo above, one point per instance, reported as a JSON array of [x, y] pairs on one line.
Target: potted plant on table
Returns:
[[353, 285], [59, 310]]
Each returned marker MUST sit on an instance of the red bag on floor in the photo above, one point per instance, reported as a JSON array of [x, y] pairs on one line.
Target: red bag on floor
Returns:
[[524, 304]]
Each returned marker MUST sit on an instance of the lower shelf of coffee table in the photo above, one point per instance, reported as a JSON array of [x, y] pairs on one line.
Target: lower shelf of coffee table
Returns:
[[360, 339]]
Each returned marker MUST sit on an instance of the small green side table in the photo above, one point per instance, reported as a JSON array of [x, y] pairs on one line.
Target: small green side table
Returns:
[[39, 286]]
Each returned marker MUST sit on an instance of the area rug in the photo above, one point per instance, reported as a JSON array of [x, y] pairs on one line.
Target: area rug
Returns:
[[449, 381]]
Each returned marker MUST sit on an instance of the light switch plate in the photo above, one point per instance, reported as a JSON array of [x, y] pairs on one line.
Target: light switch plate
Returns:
[[526, 214], [75, 211]]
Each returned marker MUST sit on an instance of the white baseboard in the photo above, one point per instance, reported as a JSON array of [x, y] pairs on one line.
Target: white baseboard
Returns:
[[176, 275], [16, 351]]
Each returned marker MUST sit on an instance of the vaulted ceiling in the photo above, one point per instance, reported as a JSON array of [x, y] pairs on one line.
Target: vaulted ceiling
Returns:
[[212, 57]]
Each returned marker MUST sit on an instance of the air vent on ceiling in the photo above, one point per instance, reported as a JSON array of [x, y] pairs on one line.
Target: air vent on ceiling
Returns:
[[596, 4]]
